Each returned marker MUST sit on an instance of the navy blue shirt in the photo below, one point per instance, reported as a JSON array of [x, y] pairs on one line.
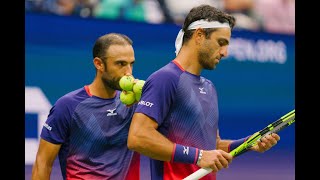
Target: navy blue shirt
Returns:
[[185, 106], [93, 133]]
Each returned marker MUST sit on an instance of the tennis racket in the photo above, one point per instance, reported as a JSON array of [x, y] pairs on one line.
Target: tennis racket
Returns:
[[274, 127]]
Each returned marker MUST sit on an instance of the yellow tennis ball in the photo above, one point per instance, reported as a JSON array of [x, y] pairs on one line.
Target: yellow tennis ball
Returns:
[[126, 82], [127, 97], [138, 96], [137, 87]]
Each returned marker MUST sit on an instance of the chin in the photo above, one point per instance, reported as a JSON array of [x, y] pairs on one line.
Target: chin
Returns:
[[210, 67]]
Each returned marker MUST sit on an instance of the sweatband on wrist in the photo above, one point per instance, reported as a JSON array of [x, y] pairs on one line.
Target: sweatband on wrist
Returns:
[[236, 143], [185, 154], [199, 157]]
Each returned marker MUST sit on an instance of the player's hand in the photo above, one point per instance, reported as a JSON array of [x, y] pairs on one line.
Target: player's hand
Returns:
[[266, 143], [215, 159]]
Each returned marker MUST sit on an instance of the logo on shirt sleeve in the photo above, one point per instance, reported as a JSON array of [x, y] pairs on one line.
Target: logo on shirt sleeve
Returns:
[[47, 126], [145, 103]]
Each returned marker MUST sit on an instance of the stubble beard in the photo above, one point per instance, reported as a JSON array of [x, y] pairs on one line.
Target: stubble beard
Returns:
[[111, 83], [205, 61]]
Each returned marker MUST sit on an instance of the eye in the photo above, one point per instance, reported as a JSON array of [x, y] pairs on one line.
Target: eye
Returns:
[[222, 42], [121, 63]]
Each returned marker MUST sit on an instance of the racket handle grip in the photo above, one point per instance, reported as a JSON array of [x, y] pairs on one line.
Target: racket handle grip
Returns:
[[198, 174]]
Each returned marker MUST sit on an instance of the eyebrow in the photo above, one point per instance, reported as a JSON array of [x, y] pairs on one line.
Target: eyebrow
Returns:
[[121, 60]]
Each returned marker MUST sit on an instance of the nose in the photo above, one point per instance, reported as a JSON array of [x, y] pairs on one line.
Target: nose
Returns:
[[128, 69], [224, 51]]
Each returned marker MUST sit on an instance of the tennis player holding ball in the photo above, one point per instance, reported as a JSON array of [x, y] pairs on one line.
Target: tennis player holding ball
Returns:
[[176, 120], [88, 128]]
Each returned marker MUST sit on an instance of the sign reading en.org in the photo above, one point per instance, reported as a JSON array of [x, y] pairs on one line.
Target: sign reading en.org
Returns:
[[263, 51]]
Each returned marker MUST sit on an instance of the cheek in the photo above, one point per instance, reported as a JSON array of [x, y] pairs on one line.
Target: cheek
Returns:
[[108, 72], [215, 50], [211, 52], [212, 48], [115, 72], [112, 69]]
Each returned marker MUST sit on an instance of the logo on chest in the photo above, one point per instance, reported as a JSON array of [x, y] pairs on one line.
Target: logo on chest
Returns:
[[111, 112], [202, 91]]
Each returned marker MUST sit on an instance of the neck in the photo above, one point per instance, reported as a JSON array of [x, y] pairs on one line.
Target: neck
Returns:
[[99, 89], [188, 60]]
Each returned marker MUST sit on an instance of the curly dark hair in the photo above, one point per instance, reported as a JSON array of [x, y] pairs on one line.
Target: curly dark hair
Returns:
[[208, 13]]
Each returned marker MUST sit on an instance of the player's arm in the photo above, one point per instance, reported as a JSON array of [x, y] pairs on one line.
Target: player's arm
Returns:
[[265, 144], [47, 152], [144, 138], [223, 144]]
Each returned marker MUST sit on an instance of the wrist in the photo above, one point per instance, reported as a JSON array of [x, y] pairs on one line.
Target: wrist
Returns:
[[199, 157], [234, 144], [185, 154]]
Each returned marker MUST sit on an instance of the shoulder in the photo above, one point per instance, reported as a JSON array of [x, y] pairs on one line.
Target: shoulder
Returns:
[[205, 80], [167, 74], [72, 98]]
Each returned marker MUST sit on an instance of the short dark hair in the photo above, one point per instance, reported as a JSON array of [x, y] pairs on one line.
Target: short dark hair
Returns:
[[103, 43], [208, 13]]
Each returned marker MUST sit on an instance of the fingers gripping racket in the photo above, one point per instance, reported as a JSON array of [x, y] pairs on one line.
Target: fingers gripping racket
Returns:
[[274, 127]]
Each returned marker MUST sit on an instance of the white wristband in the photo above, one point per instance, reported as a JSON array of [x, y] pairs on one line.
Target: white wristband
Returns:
[[199, 157]]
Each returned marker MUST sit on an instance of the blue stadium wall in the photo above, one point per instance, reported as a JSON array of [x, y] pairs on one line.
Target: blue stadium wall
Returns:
[[255, 84]]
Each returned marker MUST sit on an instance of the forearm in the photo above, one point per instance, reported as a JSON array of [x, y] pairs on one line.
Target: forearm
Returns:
[[229, 145], [145, 139], [41, 172], [224, 145], [45, 157], [154, 145]]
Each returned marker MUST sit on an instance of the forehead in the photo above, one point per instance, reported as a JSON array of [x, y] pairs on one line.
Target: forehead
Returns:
[[120, 52], [224, 33]]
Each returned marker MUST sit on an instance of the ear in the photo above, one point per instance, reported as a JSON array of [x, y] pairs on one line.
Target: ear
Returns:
[[98, 64], [199, 35]]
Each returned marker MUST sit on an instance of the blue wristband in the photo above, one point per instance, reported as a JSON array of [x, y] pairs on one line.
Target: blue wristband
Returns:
[[237, 143], [185, 154]]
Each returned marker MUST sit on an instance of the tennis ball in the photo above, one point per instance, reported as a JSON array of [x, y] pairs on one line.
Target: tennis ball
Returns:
[[127, 97], [137, 87], [138, 96], [126, 82]]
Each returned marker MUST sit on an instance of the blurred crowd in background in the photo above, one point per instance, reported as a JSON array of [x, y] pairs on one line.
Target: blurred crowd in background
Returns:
[[273, 16]]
